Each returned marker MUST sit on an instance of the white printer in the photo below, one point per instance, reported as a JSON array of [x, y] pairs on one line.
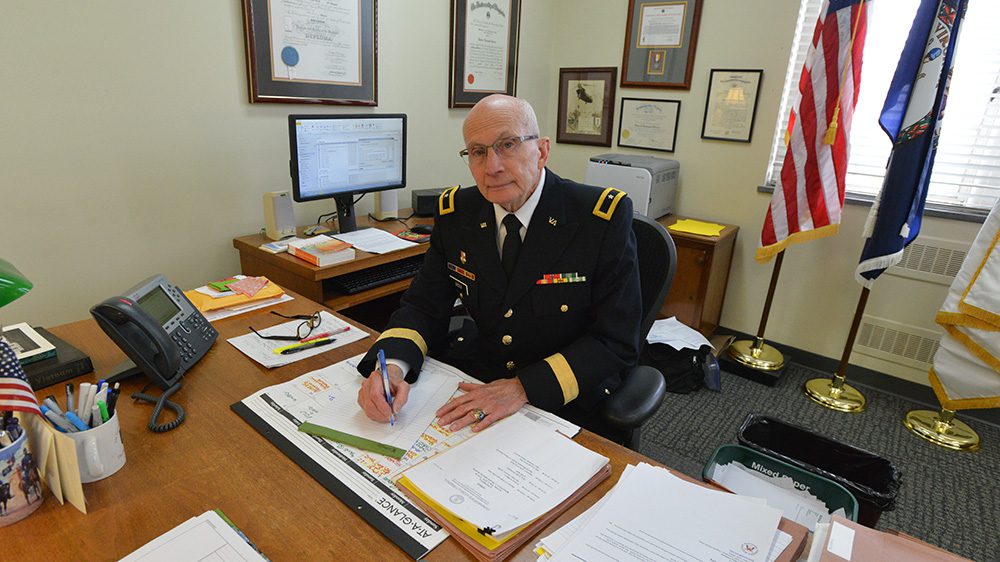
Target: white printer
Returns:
[[650, 182]]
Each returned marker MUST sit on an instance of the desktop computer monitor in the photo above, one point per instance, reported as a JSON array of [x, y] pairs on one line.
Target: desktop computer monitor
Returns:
[[340, 156]]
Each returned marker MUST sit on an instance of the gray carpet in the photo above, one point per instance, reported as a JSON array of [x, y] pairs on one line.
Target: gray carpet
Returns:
[[946, 498]]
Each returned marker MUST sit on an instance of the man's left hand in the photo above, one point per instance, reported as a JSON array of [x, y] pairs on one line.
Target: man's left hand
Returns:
[[497, 400]]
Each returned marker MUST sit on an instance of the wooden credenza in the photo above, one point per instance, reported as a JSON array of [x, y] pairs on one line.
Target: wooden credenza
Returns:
[[699, 287]]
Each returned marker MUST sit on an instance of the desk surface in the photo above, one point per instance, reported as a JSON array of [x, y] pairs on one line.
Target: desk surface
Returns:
[[304, 278], [215, 460]]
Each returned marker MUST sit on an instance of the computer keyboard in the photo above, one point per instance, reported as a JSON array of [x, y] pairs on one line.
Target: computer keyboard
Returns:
[[364, 279]]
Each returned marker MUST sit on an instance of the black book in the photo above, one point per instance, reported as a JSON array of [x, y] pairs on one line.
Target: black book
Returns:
[[68, 363]]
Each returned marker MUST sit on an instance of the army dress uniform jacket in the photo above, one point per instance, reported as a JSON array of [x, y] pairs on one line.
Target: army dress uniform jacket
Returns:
[[566, 323]]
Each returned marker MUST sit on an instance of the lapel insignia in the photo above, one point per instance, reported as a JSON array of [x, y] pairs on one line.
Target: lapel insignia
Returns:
[[553, 278], [461, 256], [463, 272], [482, 225], [552, 221]]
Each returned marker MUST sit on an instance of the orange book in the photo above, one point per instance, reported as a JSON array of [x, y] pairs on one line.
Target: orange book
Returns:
[[321, 251]]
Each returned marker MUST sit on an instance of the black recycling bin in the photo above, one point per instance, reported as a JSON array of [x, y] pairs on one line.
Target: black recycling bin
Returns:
[[873, 480]]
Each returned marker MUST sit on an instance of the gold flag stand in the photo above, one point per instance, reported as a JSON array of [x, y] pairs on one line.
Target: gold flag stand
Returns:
[[942, 429], [835, 393], [754, 359]]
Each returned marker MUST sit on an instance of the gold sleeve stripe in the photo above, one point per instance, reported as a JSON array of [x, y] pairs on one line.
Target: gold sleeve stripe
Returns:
[[406, 334], [606, 205], [446, 203], [564, 374]]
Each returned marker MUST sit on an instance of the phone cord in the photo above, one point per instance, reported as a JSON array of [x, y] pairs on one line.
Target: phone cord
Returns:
[[162, 402]]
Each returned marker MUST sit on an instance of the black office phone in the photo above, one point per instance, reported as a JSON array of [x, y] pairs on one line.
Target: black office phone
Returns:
[[158, 328]]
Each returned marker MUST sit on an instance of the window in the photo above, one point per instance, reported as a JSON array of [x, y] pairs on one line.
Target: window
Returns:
[[966, 174]]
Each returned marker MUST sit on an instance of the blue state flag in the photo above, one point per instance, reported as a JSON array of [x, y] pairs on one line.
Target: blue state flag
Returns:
[[911, 116]]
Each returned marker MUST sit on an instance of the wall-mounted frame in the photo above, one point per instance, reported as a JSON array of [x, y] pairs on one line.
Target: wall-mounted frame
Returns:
[[586, 105], [660, 40], [649, 124], [483, 50], [731, 104], [301, 52]]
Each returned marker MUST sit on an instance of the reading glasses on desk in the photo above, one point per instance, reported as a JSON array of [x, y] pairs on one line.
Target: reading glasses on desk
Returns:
[[302, 331]]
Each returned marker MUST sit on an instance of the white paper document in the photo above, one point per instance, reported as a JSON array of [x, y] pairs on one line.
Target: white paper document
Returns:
[[203, 538], [213, 315], [653, 515], [374, 240], [262, 350], [798, 505], [340, 412], [678, 336], [512, 474]]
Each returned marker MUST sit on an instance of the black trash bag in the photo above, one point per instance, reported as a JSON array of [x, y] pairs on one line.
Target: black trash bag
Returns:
[[684, 370]]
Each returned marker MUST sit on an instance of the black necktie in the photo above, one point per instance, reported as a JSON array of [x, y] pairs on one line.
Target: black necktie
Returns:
[[511, 243]]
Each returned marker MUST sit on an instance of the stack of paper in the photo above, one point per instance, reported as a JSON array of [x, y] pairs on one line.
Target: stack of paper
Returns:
[[215, 305], [653, 515], [494, 492], [374, 240]]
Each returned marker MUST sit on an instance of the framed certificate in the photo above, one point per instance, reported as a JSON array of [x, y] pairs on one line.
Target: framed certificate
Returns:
[[649, 124], [660, 39], [311, 52], [586, 105], [483, 50], [731, 104]]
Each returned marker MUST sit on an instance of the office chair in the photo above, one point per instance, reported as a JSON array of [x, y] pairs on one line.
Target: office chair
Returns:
[[643, 387]]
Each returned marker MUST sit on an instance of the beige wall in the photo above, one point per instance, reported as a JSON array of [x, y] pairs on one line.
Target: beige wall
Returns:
[[129, 148]]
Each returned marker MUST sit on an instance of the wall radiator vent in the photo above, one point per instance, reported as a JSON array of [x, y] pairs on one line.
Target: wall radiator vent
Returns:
[[898, 343], [931, 259]]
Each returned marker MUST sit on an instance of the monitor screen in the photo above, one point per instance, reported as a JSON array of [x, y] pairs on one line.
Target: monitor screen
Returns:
[[334, 155]]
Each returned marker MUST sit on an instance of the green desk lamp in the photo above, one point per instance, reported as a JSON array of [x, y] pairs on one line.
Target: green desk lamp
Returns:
[[13, 284]]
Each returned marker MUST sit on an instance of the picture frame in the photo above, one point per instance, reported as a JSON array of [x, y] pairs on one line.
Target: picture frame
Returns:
[[586, 105], [483, 50], [660, 41], [650, 124], [304, 64], [731, 104]]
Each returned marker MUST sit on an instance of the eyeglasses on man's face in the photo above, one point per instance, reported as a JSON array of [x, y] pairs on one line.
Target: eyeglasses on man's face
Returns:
[[505, 147], [302, 331]]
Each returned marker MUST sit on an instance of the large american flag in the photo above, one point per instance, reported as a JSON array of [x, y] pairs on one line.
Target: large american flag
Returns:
[[809, 194], [15, 392]]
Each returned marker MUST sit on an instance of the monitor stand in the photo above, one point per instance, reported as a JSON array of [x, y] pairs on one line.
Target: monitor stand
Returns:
[[346, 221]]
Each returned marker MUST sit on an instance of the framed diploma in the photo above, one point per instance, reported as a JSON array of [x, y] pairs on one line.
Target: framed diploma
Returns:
[[649, 124], [483, 50], [660, 39], [586, 105], [731, 104], [311, 51]]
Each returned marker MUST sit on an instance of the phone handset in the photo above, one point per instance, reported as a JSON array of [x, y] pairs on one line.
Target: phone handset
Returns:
[[141, 337]]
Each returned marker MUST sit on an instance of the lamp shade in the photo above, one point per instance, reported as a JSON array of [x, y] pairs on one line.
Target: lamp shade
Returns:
[[12, 283]]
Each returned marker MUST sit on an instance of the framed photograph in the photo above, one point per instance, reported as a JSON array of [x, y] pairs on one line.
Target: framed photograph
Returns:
[[483, 50], [731, 104], [311, 52], [649, 124], [586, 105], [660, 39]]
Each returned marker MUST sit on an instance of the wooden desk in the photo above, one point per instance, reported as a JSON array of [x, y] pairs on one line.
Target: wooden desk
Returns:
[[699, 287], [306, 279], [216, 460]]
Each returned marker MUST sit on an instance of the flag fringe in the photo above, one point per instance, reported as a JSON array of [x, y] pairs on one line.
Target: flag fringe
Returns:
[[960, 404], [977, 350], [955, 319], [880, 262], [765, 253]]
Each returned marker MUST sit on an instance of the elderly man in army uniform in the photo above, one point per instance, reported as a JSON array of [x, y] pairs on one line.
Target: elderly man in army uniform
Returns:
[[547, 269]]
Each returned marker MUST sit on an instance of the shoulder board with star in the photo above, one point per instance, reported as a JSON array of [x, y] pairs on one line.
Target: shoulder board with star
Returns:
[[446, 203], [607, 203]]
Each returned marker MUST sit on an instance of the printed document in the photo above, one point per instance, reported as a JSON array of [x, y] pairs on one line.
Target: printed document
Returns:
[[262, 350], [652, 515], [203, 538], [374, 240], [510, 475]]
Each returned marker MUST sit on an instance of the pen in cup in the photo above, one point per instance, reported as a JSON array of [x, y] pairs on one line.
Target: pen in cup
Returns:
[[385, 384]]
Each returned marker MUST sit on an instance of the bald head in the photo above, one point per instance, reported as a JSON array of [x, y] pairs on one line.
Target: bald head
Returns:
[[499, 109]]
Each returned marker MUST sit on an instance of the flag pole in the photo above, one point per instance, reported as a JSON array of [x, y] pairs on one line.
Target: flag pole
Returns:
[[835, 393], [942, 429], [756, 354]]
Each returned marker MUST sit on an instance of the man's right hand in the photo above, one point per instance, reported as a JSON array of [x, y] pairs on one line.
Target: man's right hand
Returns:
[[371, 397]]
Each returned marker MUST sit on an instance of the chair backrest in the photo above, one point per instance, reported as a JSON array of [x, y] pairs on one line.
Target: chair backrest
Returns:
[[657, 263]]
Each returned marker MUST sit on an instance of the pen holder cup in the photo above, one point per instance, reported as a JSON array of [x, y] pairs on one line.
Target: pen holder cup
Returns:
[[20, 486], [99, 450]]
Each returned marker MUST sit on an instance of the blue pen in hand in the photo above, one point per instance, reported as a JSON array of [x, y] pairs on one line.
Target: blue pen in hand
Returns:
[[385, 384]]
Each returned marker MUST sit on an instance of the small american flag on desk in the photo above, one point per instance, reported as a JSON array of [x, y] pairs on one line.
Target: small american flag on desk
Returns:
[[15, 392]]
